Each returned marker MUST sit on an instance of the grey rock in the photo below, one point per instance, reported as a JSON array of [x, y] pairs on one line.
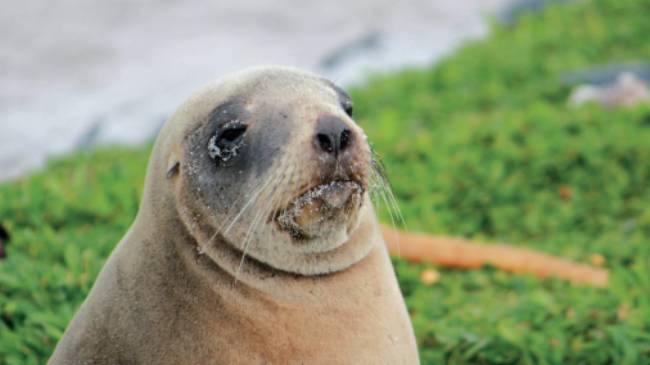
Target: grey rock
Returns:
[[627, 91], [517, 8], [608, 74]]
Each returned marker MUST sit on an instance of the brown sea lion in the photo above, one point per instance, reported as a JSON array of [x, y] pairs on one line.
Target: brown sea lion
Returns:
[[255, 242]]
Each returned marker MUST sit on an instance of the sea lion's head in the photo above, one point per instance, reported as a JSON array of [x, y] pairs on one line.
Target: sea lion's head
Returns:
[[270, 163]]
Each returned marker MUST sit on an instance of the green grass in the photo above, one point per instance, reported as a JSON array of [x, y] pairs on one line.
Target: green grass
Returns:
[[479, 146]]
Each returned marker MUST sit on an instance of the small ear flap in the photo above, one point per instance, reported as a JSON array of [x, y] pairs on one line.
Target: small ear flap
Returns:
[[173, 169]]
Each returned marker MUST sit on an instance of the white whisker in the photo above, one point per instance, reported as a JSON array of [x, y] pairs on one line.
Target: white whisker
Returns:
[[263, 212], [250, 201], [386, 193]]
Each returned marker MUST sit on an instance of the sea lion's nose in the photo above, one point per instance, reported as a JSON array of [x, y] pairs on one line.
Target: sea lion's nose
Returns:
[[333, 135]]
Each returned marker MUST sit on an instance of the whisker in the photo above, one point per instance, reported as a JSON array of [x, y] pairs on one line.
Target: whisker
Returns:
[[384, 191], [242, 194], [263, 212], [256, 189], [250, 201], [391, 214], [247, 239]]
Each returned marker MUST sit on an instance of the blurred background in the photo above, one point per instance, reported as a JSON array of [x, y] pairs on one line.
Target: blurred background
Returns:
[[518, 121], [76, 73]]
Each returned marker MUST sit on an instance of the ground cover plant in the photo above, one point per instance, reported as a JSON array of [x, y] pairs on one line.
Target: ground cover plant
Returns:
[[481, 145]]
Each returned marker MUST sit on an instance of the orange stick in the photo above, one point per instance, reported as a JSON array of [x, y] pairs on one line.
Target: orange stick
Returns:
[[465, 254]]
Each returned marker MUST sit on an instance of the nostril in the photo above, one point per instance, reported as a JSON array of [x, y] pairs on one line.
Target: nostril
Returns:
[[345, 139], [325, 142], [333, 135]]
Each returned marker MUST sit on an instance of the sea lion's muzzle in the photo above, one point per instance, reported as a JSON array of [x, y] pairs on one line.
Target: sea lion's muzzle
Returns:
[[320, 207], [339, 182]]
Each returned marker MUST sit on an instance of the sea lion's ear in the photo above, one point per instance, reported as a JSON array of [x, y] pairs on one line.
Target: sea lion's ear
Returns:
[[172, 170]]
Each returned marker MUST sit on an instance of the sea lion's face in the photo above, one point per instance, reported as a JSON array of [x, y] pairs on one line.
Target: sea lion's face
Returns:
[[277, 169]]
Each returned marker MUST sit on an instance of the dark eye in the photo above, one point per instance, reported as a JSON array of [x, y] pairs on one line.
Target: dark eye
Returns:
[[347, 106], [225, 144], [232, 134]]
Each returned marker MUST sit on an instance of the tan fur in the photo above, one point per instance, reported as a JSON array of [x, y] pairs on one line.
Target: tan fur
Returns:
[[175, 290]]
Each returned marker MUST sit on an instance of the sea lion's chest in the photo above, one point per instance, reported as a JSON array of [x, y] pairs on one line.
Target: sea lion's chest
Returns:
[[367, 326]]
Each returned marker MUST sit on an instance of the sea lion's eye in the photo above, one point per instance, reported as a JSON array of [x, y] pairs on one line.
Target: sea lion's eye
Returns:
[[225, 144], [232, 134], [348, 107]]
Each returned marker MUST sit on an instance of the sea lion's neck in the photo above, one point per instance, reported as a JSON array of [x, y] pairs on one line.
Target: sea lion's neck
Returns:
[[224, 268]]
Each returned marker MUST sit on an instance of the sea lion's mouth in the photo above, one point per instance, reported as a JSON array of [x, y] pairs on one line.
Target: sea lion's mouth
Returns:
[[321, 207]]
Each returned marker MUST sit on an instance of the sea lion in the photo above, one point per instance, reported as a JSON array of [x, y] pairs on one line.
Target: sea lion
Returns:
[[255, 241]]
